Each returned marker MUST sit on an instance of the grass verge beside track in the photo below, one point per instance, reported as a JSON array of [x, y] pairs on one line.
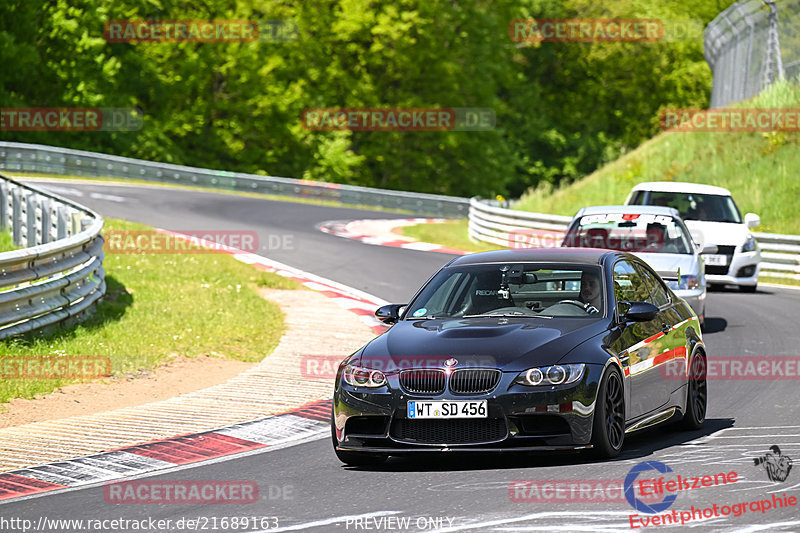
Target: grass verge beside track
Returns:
[[162, 305], [452, 233], [6, 244]]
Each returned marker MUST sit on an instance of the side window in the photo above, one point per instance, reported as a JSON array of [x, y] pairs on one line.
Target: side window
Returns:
[[629, 284], [658, 293]]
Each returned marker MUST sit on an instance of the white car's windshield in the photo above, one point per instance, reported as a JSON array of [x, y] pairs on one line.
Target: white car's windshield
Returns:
[[629, 233], [512, 290], [693, 206]]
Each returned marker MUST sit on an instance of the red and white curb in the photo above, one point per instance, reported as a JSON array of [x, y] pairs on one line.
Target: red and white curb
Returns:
[[296, 425], [293, 426], [379, 233]]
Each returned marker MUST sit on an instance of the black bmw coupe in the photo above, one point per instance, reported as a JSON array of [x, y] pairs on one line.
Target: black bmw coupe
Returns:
[[523, 350]]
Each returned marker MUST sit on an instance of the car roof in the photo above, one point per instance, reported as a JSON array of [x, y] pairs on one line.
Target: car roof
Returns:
[[628, 209], [587, 256], [681, 186]]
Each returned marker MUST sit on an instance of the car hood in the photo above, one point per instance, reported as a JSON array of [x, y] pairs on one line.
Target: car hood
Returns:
[[688, 264], [510, 344], [720, 233]]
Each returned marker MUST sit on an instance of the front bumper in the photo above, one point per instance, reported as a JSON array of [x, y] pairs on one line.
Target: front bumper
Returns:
[[696, 298], [742, 270], [519, 418]]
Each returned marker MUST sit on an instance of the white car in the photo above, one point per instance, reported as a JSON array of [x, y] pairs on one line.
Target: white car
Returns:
[[713, 218], [655, 234]]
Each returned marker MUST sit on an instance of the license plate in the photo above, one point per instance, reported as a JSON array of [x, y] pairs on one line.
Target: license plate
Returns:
[[447, 409], [716, 260]]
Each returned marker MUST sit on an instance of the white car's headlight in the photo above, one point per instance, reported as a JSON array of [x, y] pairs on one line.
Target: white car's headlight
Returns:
[[363, 377], [750, 245], [551, 375]]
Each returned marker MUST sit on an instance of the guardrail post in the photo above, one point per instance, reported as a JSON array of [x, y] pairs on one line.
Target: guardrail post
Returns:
[[30, 224], [75, 223], [5, 222], [46, 223], [62, 222], [16, 209]]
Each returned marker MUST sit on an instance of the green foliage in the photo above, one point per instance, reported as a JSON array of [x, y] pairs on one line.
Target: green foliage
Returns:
[[760, 169], [562, 108]]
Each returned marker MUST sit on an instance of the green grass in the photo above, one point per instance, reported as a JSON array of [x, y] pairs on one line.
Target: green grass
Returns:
[[762, 170], [778, 281], [451, 233], [6, 244], [159, 305], [275, 197]]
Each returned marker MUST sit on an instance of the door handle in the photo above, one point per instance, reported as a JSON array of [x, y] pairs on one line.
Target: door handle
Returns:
[[665, 328]]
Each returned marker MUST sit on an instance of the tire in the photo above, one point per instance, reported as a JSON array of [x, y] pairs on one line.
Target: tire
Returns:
[[696, 394], [355, 458], [608, 426], [748, 288]]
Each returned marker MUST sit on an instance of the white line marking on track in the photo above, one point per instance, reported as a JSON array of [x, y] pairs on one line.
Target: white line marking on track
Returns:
[[766, 527], [534, 516]]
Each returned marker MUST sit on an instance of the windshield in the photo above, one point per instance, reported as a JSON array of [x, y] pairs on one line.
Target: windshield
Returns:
[[692, 206], [630, 233], [512, 290]]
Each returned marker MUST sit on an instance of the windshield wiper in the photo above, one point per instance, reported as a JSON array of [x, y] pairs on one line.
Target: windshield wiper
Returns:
[[504, 315]]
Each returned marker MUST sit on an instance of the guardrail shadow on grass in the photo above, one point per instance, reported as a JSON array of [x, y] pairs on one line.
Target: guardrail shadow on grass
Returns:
[[111, 308]]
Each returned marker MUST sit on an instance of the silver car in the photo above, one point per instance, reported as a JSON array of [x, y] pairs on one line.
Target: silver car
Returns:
[[655, 234]]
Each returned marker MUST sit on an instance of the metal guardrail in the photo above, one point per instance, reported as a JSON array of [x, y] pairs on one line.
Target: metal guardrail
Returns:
[[63, 161], [58, 275], [749, 46], [780, 254]]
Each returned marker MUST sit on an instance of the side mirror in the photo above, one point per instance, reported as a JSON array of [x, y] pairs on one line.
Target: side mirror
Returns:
[[389, 314], [751, 220], [698, 238], [639, 311], [709, 249]]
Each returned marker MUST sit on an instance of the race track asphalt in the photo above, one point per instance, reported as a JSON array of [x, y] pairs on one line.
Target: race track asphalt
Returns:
[[306, 487]]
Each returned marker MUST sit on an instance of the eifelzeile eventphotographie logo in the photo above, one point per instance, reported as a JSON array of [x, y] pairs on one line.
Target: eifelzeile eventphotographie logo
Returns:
[[775, 464], [71, 119], [398, 119], [654, 477]]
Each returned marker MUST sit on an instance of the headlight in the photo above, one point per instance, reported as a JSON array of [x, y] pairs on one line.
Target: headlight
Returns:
[[551, 375], [750, 245], [686, 283], [363, 377]]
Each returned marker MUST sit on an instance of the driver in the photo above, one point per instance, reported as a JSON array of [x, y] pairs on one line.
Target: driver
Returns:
[[591, 292]]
